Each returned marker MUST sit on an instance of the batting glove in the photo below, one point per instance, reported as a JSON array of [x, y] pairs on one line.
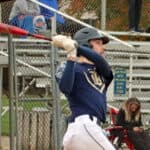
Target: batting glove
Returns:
[[58, 40], [66, 43], [70, 46]]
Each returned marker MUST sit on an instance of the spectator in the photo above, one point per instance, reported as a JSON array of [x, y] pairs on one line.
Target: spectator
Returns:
[[48, 14], [129, 117], [63, 25], [23, 13], [134, 13]]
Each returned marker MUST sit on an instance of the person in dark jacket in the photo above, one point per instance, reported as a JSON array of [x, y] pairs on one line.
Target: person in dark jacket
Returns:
[[64, 25], [134, 12], [129, 117]]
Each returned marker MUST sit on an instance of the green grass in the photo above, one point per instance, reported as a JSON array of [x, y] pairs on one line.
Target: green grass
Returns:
[[5, 118], [5, 124], [25, 105], [5, 101], [30, 105]]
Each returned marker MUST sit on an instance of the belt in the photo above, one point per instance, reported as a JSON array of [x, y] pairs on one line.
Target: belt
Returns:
[[84, 118], [93, 118]]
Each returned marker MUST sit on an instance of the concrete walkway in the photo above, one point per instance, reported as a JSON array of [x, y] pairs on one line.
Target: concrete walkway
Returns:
[[5, 143]]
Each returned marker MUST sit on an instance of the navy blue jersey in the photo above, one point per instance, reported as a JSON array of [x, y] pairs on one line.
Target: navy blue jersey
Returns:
[[85, 85]]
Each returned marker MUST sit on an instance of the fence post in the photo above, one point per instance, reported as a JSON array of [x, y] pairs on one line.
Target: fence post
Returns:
[[103, 14], [11, 90], [1, 79], [55, 93], [130, 75]]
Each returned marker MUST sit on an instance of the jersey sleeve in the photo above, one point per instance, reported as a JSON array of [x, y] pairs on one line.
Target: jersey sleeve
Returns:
[[65, 76], [59, 71], [101, 64]]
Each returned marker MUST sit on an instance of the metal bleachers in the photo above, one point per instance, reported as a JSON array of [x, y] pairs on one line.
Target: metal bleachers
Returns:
[[37, 55], [136, 63]]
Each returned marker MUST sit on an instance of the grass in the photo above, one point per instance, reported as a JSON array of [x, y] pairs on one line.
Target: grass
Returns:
[[28, 106], [5, 118], [5, 124]]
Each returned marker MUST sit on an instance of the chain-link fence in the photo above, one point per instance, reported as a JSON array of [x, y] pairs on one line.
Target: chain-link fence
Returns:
[[39, 121], [34, 117], [91, 12], [115, 14]]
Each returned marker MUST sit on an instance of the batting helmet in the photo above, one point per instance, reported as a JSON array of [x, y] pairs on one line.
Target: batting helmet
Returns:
[[86, 34]]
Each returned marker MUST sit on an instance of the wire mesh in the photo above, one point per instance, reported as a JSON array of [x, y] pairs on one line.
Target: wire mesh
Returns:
[[34, 96]]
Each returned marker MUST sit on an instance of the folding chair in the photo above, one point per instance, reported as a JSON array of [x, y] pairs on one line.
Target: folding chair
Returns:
[[115, 130]]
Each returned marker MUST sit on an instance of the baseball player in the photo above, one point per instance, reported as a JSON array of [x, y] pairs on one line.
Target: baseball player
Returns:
[[84, 80]]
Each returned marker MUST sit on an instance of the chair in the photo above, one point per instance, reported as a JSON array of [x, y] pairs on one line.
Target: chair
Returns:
[[114, 136]]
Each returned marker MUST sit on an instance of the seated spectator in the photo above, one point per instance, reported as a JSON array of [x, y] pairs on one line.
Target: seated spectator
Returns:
[[23, 13], [129, 117]]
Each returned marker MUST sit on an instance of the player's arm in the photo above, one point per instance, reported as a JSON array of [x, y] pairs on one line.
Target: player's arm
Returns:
[[70, 45], [101, 64], [67, 80], [120, 120]]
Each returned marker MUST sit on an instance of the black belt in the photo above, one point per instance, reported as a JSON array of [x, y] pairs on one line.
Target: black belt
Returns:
[[98, 120]]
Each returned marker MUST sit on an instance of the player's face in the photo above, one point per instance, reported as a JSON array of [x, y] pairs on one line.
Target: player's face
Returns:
[[97, 45]]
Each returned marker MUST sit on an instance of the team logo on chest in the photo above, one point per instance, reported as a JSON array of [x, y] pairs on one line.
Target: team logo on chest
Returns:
[[95, 80]]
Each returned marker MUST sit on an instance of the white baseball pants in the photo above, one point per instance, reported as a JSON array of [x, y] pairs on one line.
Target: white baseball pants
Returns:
[[85, 134]]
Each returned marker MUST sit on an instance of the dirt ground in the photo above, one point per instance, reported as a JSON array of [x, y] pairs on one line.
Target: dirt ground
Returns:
[[5, 143]]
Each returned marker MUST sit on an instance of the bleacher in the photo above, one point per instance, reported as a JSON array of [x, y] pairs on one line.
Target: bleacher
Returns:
[[37, 54], [34, 53], [136, 63]]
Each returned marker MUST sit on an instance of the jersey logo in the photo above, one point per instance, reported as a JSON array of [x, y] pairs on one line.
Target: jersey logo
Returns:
[[95, 80]]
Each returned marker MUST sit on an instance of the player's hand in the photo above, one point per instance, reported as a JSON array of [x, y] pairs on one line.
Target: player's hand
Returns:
[[66, 43], [137, 129], [58, 40], [70, 46]]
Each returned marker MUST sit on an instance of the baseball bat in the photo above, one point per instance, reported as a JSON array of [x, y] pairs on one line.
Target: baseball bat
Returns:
[[9, 29]]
